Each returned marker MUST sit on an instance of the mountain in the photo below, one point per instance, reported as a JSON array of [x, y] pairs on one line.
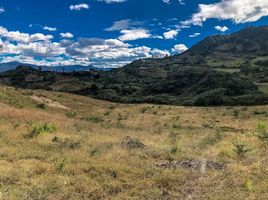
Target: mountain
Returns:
[[244, 48], [69, 68], [220, 70]]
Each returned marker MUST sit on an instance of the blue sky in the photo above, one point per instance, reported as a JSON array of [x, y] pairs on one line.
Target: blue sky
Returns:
[[111, 33]]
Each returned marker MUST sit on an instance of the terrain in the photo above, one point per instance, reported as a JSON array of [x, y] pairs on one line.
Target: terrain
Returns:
[[57, 145], [220, 70]]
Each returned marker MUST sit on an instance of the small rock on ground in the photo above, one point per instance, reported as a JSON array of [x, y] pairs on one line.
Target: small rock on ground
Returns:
[[132, 143]]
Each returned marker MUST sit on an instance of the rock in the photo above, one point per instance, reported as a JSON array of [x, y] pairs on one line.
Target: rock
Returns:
[[195, 164], [131, 143]]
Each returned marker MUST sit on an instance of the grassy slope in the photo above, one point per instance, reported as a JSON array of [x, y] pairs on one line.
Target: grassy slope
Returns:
[[92, 165]]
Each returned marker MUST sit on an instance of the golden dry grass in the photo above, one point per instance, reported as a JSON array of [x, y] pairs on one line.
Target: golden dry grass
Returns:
[[88, 162]]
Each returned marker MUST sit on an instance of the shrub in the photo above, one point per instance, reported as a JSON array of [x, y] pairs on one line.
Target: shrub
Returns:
[[93, 119], [66, 143], [262, 132], [144, 109], [43, 128], [95, 152], [174, 150], [71, 114], [176, 126], [241, 149], [61, 164], [249, 185], [41, 106]]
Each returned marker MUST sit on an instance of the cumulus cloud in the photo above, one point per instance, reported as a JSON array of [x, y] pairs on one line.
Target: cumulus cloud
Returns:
[[235, 10], [78, 7], [170, 34], [135, 34], [179, 48], [158, 53], [47, 28], [39, 49], [221, 28], [17, 36], [66, 35]]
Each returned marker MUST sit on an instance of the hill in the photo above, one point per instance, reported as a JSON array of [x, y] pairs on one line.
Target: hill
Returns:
[[64, 146], [193, 78], [248, 47], [135, 84]]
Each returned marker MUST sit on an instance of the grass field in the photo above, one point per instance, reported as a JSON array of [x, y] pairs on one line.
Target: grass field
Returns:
[[62, 146]]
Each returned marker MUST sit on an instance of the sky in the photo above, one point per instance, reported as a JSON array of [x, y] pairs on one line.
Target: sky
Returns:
[[112, 33]]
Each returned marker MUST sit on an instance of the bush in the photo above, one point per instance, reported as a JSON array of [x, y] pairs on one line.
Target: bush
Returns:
[[61, 164], [241, 149], [144, 109], [41, 106], [93, 119], [262, 132], [95, 152], [174, 150], [66, 143], [41, 129], [71, 114]]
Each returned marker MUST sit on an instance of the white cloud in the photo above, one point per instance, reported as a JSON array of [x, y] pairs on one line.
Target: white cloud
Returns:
[[113, 1], [160, 53], [135, 34], [3, 31], [238, 11], [79, 7], [2, 10], [39, 49], [47, 28], [170, 34], [123, 24], [181, 2], [221, 28], [179, 48], [194, 35], [167, 1], [23, 37], [66, 35]]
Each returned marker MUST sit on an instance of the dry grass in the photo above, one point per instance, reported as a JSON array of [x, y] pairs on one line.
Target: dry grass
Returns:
[[87, 161]]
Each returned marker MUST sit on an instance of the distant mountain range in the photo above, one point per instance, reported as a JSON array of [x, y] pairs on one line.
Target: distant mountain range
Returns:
[[220, 70], [70, 68]]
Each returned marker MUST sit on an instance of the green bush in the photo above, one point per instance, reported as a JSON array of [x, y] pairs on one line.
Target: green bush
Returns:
[[71, 114], [41, 129], [241, 149], [262, 132]]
